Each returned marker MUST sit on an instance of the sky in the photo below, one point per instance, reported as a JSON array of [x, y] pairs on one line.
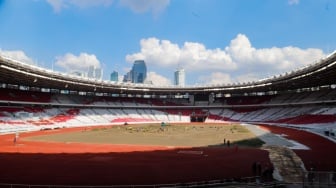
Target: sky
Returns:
[[214, 41]]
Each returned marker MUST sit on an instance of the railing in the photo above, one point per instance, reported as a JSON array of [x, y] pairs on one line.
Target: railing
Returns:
[[311, 179], [319, 179], [241, 182]]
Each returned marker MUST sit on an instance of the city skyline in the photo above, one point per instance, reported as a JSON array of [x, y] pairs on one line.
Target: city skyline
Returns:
[[215, 41]]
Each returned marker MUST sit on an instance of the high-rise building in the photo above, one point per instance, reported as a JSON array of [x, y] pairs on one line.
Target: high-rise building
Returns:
[[91, 71], [179, 77], [139, 71], [128, 77], [95, 72], [99, 73], [114, 76]]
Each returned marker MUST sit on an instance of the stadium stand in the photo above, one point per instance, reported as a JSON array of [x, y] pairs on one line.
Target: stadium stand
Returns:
[[285, 109], [33, 98]]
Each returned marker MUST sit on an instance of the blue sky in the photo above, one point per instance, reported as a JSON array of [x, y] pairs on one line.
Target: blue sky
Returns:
[[215, 41]]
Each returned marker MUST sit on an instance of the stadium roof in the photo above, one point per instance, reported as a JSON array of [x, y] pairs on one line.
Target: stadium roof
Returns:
[[321, 73]]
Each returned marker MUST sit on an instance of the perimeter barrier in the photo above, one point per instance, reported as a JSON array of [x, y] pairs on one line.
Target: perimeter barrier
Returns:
[[240, 182], [311, 179]]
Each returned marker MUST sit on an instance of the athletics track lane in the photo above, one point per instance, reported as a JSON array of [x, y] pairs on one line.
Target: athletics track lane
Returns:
[[30, 162]]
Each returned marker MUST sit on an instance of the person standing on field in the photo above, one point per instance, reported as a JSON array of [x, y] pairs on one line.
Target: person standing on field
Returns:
[[16, 138]]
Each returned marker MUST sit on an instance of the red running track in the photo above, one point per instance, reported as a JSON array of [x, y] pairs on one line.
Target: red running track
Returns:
[[322, 153], [30, 162], [44, 163]]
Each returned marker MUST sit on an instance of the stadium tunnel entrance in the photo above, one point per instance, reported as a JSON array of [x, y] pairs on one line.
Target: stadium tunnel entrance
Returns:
[[198, 118]]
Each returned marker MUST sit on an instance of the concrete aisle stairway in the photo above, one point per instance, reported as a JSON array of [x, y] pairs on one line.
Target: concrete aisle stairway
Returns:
[[288, 166]]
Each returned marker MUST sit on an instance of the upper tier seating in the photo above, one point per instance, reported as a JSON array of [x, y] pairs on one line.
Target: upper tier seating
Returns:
[[35, 117], [27, 96]]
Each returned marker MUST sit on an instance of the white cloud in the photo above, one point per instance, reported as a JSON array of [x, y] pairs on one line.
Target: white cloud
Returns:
[[140, 6], [244, 78], [293, 2], [239, 58], [215, 78], [58, 5], [192, 56], [71, 62], [274, 59], [157, 79], [218, 78], [17, 55]]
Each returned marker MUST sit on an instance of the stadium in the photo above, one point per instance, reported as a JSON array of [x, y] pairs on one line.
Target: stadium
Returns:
[[59, 130]]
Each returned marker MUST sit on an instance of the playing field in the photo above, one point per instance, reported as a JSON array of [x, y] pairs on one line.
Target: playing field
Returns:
[[158, 135], [141, 154]]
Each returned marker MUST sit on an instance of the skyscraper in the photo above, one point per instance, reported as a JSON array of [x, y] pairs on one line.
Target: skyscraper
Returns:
[[114, 76], [139, 71], [98, 73], [95, 72], [90, 72], [128, 77], [179, 77]]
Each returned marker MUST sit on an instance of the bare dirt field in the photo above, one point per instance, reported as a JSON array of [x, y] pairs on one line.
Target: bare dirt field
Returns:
[[156, 135]]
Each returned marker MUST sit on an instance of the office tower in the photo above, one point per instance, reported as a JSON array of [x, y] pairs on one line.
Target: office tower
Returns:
[[114, 76], [139, 71], [90, 73], [98, 73], [179, 77], [95, 72], [128, 77]]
